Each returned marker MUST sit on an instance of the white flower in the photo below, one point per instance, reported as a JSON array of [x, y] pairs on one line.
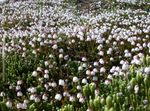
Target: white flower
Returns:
[[51, 56], [25, 101], [101, 61], [88, 72], [122, 62], [24, 106], [39, 39], [33, 90], [88, 109], [71, 98], [46, 71], [92, 73], [32, 97], [95, 64], [84, 59], [19, 82], [101, 53], [117, 69], [55, 46], [147, 70], [112, 70], [73, 41], [125, 67], [19, 105], [66, 93], [54, 84], [96, 92], [58, 97], [81, 100], [136, 89], [18, 88], [2, 94], [11, 86], [46, 63], [9, 104], [107, 41], [46, 86], [79, 87], [84, 81], [137, 62], [95, 78], [46, 76], [79, 95], [95, 70], [122, 43], [80, 68], [23, 54], [102, 69], [129, 87], [54, 36], [145, 102], [39, 69], [40, 79], [99, 47], [144, 45], [110, 77], [37, 99], [75, 79], [61, 56], [109, 52], [84, 65], [61, 82], [34, 51], [121, 73], [116, 73], [19, 93], [66, 57], [107, 82], [34, 73]]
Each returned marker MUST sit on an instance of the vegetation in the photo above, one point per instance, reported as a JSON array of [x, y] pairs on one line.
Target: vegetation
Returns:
[[56, 56]]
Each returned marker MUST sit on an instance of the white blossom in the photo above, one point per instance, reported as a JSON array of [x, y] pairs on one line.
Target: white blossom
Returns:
[[75, 79], [34, 74], [9, 104], [58, 97], [61, 82]]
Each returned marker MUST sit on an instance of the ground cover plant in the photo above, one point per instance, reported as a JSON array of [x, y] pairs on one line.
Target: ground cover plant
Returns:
[[56, 56]]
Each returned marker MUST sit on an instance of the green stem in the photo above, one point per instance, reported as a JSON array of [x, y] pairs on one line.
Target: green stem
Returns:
[[3, 60]]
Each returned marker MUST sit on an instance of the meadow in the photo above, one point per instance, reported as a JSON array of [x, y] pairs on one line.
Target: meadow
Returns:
[[57, 55]]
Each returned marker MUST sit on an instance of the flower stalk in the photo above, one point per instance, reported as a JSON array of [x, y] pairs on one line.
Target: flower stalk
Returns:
[[3, 60]]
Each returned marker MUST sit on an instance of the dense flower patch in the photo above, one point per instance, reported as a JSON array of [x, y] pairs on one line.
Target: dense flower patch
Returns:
[[55, 59]]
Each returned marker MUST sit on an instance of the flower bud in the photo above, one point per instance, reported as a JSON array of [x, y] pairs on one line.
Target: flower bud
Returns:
[[86, 90], [92, 89], [133, 81], [139, 77], [91, 104], [102, 101], [146, 81], [132, 69], [111, 109], [97, 103], [106, 108], [32, 107], [109, 101]]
